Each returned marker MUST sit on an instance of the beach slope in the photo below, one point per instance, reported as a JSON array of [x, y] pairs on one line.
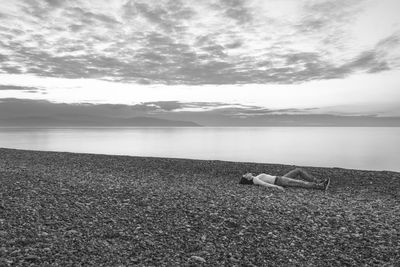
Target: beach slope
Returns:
[[82, 209]]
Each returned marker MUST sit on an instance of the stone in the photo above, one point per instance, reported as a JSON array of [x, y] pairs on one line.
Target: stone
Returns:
[[197, 258]]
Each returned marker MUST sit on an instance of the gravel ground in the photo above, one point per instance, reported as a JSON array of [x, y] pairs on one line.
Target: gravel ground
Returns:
[[65, 209]]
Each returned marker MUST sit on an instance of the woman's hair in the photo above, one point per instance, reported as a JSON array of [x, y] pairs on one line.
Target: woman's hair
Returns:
[[245, 181]]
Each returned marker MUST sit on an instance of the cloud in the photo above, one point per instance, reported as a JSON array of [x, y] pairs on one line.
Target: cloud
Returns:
[[167, 16], [55, 3], [20, 88], [165, 105], [369, 60], [378, 59], [172, 42], [236, 10], [328, 15], [390, 42], [12, 107], [88, 17]]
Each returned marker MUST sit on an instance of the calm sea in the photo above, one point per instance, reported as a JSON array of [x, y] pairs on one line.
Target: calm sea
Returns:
[[376, 148]]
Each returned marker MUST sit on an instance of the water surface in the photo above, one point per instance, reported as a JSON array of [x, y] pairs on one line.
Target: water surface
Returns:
[[375, 148]]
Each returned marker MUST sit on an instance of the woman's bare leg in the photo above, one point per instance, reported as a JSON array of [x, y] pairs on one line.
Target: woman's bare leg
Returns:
[[303, 175], [289, 182]]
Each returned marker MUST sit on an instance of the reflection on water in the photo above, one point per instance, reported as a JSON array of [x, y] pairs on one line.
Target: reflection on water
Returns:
[[347, 147]]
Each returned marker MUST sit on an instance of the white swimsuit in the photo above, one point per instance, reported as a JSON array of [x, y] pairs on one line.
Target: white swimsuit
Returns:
[[266, 178]]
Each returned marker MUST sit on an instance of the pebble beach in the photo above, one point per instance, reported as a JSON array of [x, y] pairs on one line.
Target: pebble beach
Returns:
[[69, 209]]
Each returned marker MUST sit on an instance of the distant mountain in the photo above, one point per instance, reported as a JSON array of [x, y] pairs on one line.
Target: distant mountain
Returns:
[[84, 120], [289, 120], [317, 120], [147, 121], [92, 121]]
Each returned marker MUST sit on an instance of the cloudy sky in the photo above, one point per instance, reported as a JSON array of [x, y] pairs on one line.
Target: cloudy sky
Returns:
[[243, 58]]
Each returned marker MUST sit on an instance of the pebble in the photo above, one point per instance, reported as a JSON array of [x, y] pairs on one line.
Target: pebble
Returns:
[[197, 258], [72, 232], [365, 220], [32, 258], [5, 262], [44, 234]]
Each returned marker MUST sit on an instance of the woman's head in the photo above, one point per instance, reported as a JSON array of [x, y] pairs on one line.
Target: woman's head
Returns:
[[246, 178]]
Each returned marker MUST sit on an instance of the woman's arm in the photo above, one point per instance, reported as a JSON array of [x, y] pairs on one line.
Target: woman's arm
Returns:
[[257, 181]]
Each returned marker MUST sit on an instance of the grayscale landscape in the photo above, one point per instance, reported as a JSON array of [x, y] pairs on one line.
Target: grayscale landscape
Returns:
[[199, 133]]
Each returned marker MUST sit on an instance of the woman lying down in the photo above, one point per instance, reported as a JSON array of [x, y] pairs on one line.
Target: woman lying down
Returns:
[[287, 180]]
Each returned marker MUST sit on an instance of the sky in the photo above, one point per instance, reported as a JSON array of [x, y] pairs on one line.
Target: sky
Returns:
[[235, 58]]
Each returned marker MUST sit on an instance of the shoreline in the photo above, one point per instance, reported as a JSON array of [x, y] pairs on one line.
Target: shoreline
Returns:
[[199, 159], [63, 208]]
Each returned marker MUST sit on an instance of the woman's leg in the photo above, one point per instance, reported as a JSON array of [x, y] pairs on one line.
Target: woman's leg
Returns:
[[289, 182], [303, 175]]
